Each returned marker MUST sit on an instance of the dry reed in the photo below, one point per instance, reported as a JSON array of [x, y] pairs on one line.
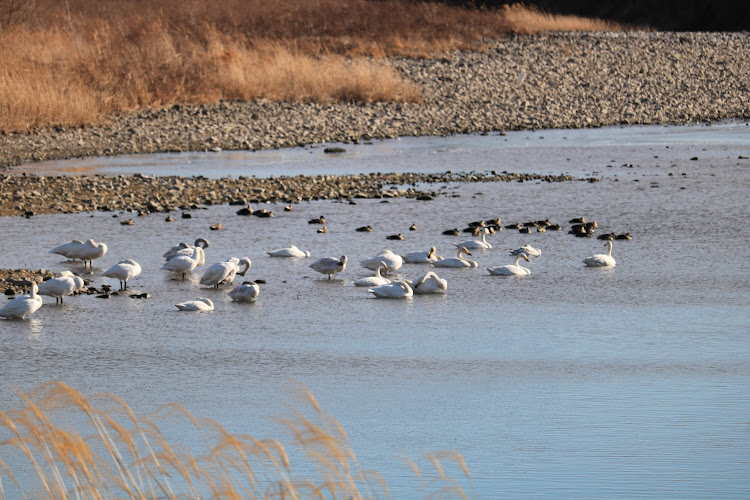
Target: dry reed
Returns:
[[73, 63], [78, 447]]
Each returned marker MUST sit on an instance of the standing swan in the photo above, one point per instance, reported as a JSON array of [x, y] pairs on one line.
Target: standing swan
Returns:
[[88, 251], [224, 272], [514, 269], [22, 306], [185, 249], [476, 243], [430, 283], [246, 292], [66, 248], [329, 265], [601, 259], [291, 251], [376, 280], [65, 284], [123, 271], [395, 290], [196, 305], [456, 262], [184, 264]]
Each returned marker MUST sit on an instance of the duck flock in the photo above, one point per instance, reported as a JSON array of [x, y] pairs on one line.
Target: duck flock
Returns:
[[183, 259]]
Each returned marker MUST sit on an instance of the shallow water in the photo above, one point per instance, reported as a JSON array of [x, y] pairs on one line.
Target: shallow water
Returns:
[[571, 382]]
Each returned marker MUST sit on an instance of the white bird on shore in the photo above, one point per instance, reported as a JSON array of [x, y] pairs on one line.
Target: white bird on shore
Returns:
[[600, 259], [224, 272], [422, 257], [430, 283], [187, 250], [395, 290], [66, 248], [329, 265], [66, 283], [196, 305], [23, 306], [87, 252], [459, 261], [476, 243], [376, 280], [291, 251], [183, 263], [123, 271], [392, 260], [528, 250], [514, 269], [246, 292]]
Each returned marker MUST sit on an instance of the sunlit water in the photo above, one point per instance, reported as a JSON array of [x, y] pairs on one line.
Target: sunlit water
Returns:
[[572, 382]]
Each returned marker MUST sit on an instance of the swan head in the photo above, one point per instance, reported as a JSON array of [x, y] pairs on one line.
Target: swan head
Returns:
[[432, 252], [207, 301], [463, 250], [201, 242], [525, 257], [246, 263], [342, 260]]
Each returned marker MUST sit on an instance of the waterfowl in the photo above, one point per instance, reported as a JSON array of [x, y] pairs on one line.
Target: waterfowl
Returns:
[[626, 236], [88, 251], [123, 271], [185, 249], [515, 225], [290, 251], [224, 272], [246, 292], [23, 306], [329, 265], [263, 213], [364, 229], [319, 220], [430, 283], [398, 236], [456, 261], [323, 229], [184, 263], [528, 250], [422, 257], [608, 236], [600, 259], [476, 243], [578, 220], [554, 227], [288, 208], [413, 227], [66, 248], [216, 227], [451, 232], [392, 260], [169, 218], [196, 305], [64, 284], [395, 290], [514, 269], [524, 230], [376, 280]]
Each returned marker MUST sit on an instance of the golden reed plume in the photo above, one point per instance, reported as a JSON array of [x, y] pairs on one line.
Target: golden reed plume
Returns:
[[71, 446]]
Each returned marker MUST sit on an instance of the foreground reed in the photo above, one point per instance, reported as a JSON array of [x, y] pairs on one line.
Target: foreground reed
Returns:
[[73, 63], [96, 447]]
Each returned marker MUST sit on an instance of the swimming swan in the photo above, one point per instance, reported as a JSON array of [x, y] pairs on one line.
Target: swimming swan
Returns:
[[600, 259], [329, 265], [22, 306], [422, 257], [246, 292], [514, 269], [65, 284], [224, 272], [196, 305], [476, 243], [183, 263], [395, 290], [376, 280], [528, 250], [456, 262], [430, 283], [123, 271], [392, 260], [291, 251]]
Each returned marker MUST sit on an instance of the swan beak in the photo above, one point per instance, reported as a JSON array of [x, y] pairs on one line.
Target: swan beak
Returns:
[[525, 258]]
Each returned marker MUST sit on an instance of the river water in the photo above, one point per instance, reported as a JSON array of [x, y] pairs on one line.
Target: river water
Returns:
[[626, 382]]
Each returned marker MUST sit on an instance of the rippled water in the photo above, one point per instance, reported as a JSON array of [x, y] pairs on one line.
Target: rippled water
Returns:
[[572, 382]]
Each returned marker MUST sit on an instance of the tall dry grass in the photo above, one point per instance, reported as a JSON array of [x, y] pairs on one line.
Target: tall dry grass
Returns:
[[73, 62], [78, 447]]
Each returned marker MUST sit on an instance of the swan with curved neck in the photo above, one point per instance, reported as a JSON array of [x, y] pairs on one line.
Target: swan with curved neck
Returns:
[[196, 305], [329, 265], [393, 261], [601, 259], [88, 251], [224, 272], [422, 257], [23, 306], [183, 263], [376, 280], [185, 249], [430, 283], [395, 290], [514, 269], [476, 243], [459, 261]]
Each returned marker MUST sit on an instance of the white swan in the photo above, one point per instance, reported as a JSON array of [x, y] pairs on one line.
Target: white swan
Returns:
[[196, 305], [329, 265], [65, 284], [422, 257], [376, 280], [476, 243], [183, 263], [123, 271], [224, 272], [185, 249], [88, 251], [66, 248], [22, 306], [528, 250], [291, 251], [395, 290], [246, 292], [430, 283], [601, 259], [514, 269], [456, 262], [392, 260]]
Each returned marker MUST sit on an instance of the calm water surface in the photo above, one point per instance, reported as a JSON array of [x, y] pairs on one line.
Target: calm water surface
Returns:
[[571, 382]]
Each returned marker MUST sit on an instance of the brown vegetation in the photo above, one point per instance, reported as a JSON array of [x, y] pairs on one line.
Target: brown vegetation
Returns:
[[73, 63], [97, 447]]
